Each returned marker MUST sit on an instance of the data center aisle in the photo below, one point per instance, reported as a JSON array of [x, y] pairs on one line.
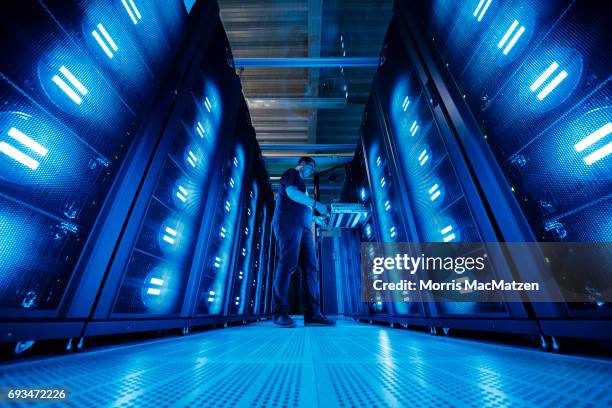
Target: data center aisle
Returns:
[[349, 365]]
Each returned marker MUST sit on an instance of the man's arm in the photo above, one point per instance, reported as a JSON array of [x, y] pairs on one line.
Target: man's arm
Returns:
[[299, 197]]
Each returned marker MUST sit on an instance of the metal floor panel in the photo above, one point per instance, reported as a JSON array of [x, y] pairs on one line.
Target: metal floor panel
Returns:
[[349, 365]]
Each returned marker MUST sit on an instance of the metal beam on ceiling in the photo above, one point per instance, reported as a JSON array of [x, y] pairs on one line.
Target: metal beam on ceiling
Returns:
[[309, 147], [323, 62]]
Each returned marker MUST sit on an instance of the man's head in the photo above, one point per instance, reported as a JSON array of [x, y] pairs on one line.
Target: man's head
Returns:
[[306, 166]]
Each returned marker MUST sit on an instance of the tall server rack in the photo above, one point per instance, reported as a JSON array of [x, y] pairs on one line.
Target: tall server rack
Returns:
[[525, 88], [75, 91], [119, 118], [438, 103]]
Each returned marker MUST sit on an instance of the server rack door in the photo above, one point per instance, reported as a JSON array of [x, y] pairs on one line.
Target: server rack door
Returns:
[[442, 199], [534, 119], [60, 154], [154, 262], [243, 273], [257, 285], [384, 196], [224, 234]]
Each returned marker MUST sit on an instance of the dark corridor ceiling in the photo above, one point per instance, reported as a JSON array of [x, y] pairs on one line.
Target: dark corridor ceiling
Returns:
[[297, 109]]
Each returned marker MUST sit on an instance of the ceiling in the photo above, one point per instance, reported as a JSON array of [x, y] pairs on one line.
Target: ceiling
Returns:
[[306, 68]]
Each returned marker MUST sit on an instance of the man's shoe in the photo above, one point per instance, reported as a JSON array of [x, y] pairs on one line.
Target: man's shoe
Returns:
[[284, 321], [318, 320]]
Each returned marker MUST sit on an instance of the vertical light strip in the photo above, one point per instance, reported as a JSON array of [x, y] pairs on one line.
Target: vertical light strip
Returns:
[[135, 9], [478, 7]]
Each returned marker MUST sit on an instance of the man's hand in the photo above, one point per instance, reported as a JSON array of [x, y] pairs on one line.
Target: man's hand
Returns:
[[322, 209]]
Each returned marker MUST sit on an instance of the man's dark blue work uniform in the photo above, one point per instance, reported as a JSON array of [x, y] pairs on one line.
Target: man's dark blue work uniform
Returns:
[[292, 224]]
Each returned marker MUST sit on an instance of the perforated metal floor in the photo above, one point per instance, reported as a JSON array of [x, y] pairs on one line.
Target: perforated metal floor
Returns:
[[349, 365]]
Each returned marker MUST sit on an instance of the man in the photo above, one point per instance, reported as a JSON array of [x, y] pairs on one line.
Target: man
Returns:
[[292, 225]]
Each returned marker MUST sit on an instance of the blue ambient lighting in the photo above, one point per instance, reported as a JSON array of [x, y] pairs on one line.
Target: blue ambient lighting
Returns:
[[107, 43], [18, 155], [547, 89], [480, 10], [423, 157], [132, 10], [591, 140], [75, 93], [517, 35], [447, 233], [434, 192], [414, 128], [405, 103]]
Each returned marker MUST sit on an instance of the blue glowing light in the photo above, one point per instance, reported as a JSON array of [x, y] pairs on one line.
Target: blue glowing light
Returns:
[[378, 161], [155, 286], [544, 92], [405, 103], [107, 43], [480, 10], [423, 157], [17, 154], [387, 205], [207, 104], [363, 194], [447, 233], [132, 10], [200, 129], [383, 182], [414, 128], [592, 139], [75, 93], [169, 235], [515, 38], [434, 192], [368, 230]]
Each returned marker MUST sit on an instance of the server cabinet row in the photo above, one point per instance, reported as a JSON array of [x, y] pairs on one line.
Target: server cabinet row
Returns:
[[124, 131], [434, 172]]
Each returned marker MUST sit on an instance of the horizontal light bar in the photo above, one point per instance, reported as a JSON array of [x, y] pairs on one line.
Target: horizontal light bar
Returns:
[[18, 155], [591, 139], [545, 75], [27, 141], [156, 281]]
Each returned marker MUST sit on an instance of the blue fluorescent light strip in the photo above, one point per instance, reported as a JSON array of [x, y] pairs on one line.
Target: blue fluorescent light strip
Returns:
[[484, 10], [129, 11], [157, 281], [508, 34], [449, 238], [593, 138], [478, 7], [200, 129], [545, 75], [108, 37], [18, 156], [27, 141], [73, 80], [67, 90], [446, 230], [153, 291], [516, 37], [405, 104], [552, 85], [182, 190], [599, 154], [435, 195], [102, 44], [207, 104], [135, 9]]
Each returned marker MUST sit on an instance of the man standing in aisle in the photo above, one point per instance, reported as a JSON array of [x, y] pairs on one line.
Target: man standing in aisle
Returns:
[[292, 225]]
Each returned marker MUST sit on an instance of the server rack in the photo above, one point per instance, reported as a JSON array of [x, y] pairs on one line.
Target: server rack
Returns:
[[438, 193], [71, 138], [156, 263], [211, 301], [525, 105]]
